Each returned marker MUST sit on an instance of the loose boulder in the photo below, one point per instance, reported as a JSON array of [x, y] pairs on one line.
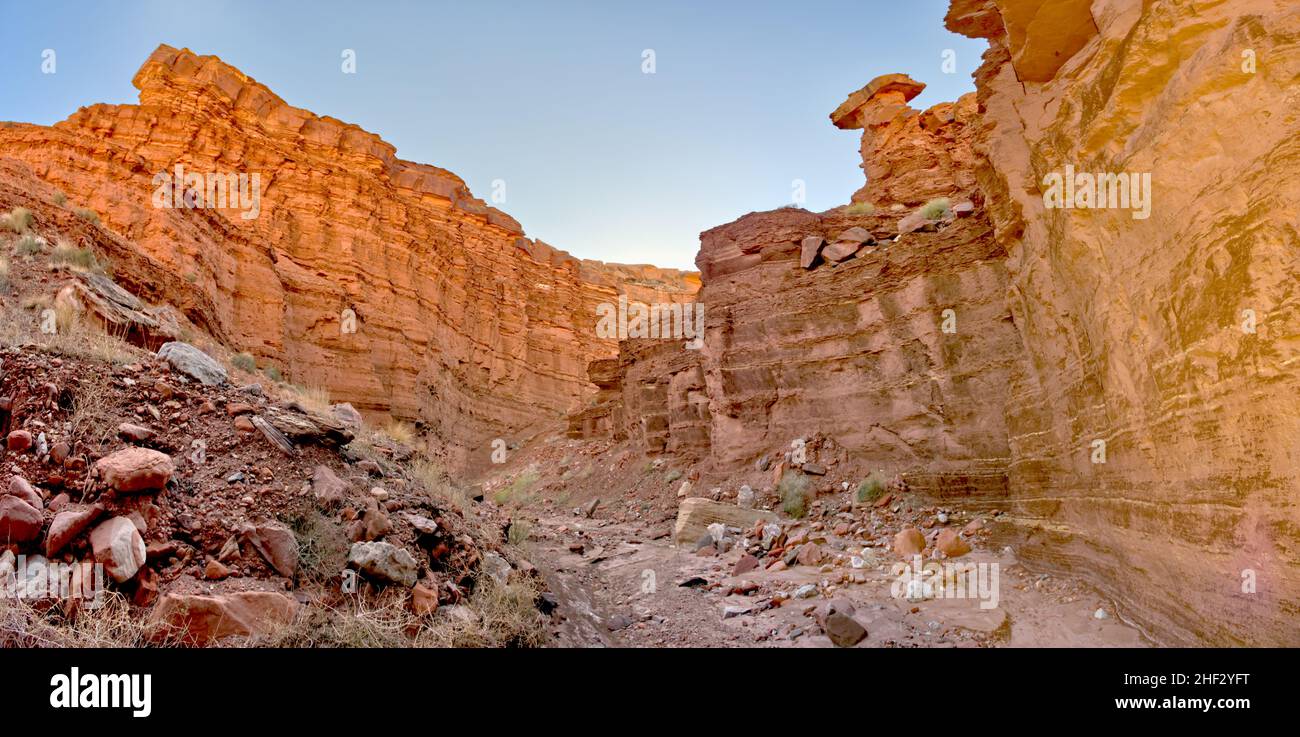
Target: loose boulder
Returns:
[[193, 362], [19, 521], [198, 620], [696, 514], [118, 546], [383, 563], [909, 542], [134, 470]]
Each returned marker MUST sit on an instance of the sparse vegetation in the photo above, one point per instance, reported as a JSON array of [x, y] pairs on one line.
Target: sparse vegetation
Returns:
[[78, 258], [438, 484], [399, 431], [860, 208], [496, 615], [27, 246], [60, 199], [24, 623], [794, 494], [273, 374], [672, 476], [871, 488], [87, 214], [322, 544], [517, 491], [520, 530], [936, 209], [244, 362], [312, 398], [19, 220]]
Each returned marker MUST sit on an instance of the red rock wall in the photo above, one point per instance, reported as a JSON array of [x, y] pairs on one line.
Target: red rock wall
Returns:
[[462, 323], [1133, 328]]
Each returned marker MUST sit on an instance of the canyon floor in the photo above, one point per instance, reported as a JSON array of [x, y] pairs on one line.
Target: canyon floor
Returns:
[[620, 581]]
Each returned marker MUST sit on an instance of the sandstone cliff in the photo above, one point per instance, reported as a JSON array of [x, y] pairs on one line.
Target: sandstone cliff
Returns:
[[847, 343], [462, 323], [1121, 380], [1172, 338]]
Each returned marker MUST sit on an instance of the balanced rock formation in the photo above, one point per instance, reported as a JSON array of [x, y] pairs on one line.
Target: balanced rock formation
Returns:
[[910, 156]]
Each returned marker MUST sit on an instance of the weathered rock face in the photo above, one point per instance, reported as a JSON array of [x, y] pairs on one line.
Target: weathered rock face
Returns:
[[460, 321], [910, 156], [901, 353], [1172, 338]]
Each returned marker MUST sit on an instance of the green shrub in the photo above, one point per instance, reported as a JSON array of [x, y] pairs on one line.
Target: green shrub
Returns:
[[87, 214], [794, 494], [936, 209], [244, 362], [60, 199], [273, 374], [871, 488], [860, 208]]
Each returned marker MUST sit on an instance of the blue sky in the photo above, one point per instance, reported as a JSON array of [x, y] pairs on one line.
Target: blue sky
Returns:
[[597, 157]]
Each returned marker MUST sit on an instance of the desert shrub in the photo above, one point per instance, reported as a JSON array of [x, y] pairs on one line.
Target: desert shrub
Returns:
[[87, 214], [273, 374], [793, 489], [520, 530], [437, 484], [517, 491], [60, 199], [399, 431], [244, 362], [871, 488], [322, 544], [860, 208], [78, 258], [27, 246], [936, 209], [19, 219]]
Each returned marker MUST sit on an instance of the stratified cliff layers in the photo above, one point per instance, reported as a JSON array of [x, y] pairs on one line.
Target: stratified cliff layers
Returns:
[[383, 280], [1170, 339], [1098, 338]]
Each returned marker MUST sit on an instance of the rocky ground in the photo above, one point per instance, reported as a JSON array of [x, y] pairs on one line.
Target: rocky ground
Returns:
[[622, 575]]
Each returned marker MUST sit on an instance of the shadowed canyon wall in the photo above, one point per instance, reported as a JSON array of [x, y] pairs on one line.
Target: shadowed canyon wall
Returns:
[[1121, 381], [462, 323], [1172, 339]]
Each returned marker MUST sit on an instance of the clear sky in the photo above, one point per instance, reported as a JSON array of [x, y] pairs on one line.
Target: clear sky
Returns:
[[598, 158]]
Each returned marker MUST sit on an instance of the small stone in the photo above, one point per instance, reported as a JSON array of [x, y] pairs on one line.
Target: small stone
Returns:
[[18, 441], [909, 542], [843, 629], [950, 544]]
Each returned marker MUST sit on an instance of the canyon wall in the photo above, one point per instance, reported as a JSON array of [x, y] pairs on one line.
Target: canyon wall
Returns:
[[1121, 381], [462, 323], [1172, 340], [899, 347]]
